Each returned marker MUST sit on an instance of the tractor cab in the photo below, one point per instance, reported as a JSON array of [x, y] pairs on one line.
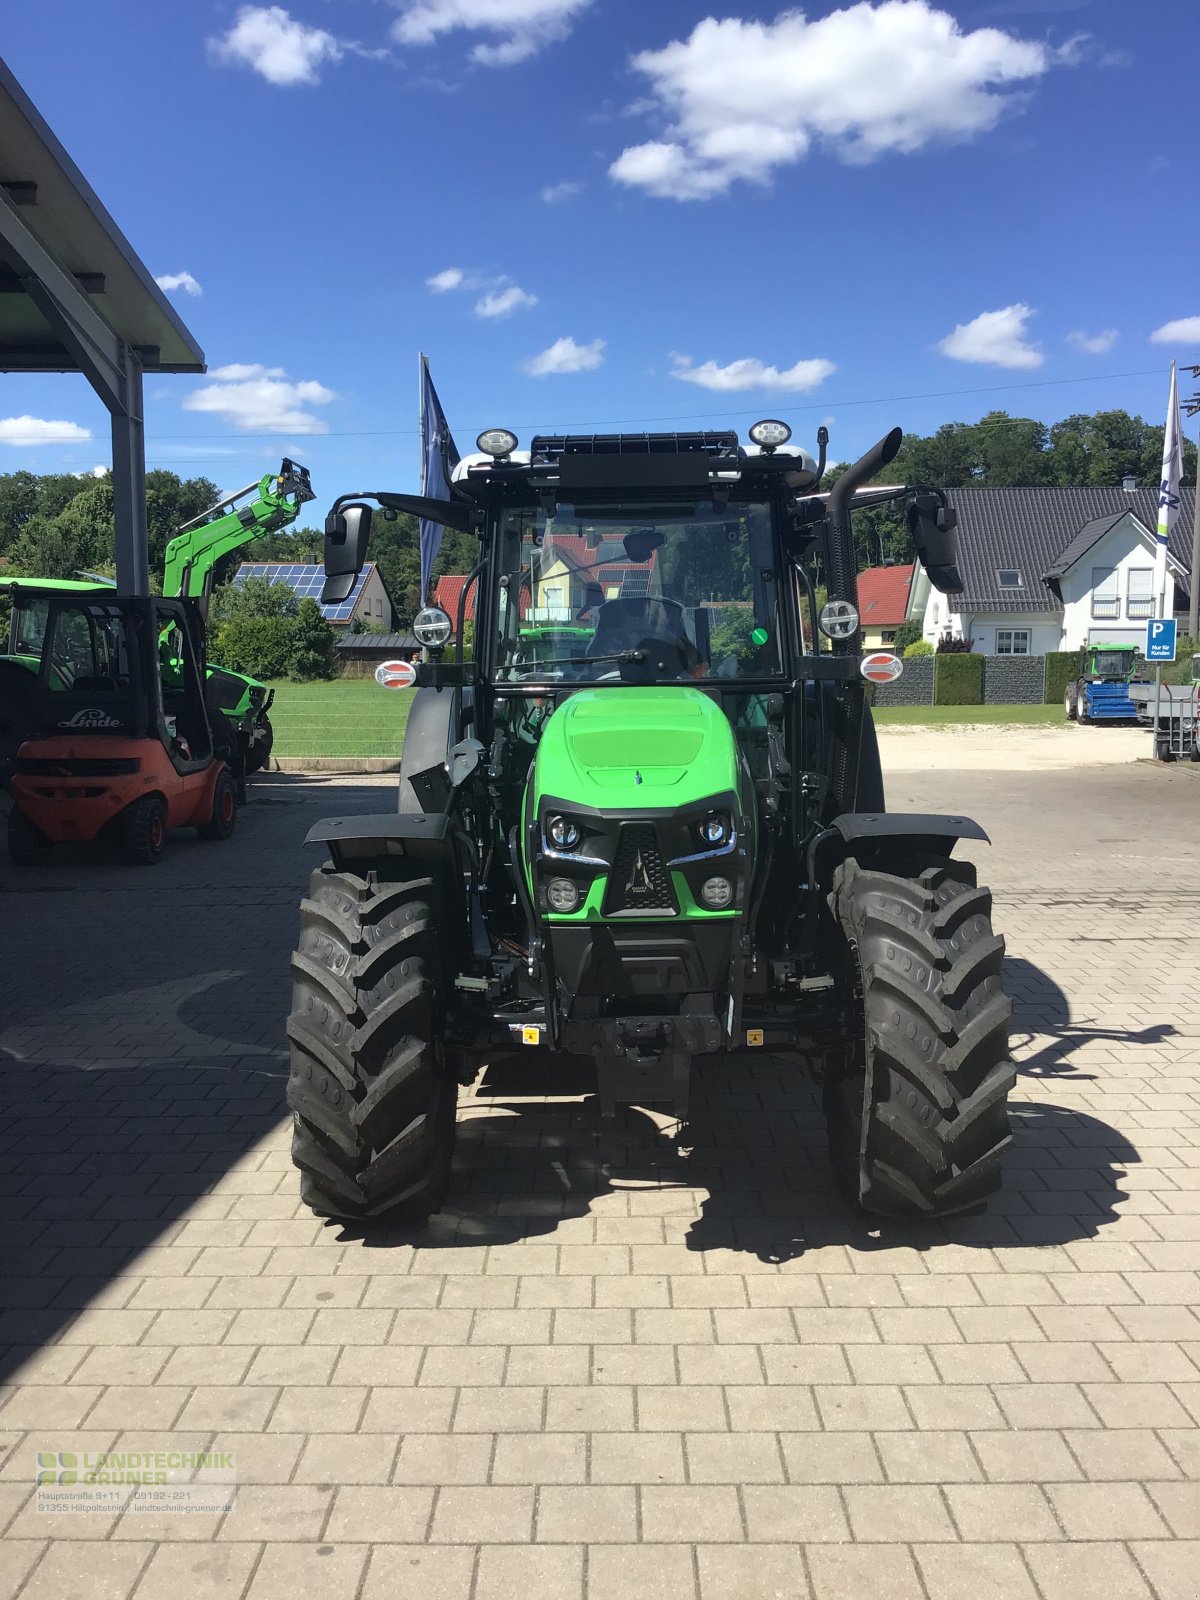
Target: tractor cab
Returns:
[[1110, 663], [113, 731]]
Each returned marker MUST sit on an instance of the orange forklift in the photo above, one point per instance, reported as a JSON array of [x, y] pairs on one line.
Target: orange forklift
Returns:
[[118, 740]]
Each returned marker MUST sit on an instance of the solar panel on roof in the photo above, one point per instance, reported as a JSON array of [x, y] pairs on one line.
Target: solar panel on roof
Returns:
[[306, 581]]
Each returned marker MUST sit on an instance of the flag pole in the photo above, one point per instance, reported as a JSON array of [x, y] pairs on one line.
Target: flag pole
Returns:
[[422, 368]]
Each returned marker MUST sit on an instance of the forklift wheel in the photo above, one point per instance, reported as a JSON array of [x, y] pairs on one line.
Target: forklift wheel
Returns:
[[27, 844], [224, 811], [144, 830]]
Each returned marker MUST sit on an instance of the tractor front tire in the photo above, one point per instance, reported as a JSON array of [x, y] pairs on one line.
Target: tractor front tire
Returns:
[[144, 830], [224, 808], [1069, 703], [260, 748], [27, 844], [917, 1116], [373, 1102]]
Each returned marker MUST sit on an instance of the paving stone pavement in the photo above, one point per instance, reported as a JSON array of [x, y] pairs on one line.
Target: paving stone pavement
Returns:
[[619, 1363]]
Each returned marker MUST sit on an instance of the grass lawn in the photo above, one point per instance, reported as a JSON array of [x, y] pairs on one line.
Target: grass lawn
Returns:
[[355, 717], [937, 716], [348, 717]]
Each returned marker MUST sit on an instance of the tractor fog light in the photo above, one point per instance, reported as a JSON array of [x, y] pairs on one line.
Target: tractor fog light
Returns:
[[564, 834], [838, 619], [770, 433], [496, 442], [715, 828], [717, 893], [562, 895]]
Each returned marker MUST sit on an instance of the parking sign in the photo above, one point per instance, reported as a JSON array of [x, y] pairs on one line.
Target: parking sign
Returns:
[[1160, 639]]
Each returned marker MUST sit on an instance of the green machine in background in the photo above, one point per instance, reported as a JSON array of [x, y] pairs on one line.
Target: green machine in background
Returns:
[[192, 558]]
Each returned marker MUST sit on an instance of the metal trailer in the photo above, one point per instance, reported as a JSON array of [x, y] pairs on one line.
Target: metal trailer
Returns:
[[1172, 711]]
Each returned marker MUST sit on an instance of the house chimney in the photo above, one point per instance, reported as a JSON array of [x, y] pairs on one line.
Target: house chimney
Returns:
[[1129, 483]]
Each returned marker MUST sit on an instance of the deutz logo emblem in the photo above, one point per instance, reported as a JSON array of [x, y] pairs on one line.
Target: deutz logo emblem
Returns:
[[91, 717], [639, 878]]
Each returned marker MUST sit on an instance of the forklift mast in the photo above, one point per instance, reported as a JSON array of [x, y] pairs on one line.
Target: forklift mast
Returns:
[[193, 554]]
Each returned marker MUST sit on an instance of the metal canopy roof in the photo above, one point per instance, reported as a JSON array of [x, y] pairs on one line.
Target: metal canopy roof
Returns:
[[58, 207]]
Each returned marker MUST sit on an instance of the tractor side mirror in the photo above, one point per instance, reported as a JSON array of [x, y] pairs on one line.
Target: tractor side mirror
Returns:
[[346, 535], [931, 522]]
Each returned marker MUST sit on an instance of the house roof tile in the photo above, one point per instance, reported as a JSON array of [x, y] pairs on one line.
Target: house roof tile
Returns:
[[883, 596], [1032, 530]]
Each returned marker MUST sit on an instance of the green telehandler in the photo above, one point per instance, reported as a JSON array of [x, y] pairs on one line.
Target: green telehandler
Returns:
[[667, 840]]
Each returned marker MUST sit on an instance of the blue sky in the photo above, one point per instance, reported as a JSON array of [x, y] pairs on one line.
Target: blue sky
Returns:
[[633, 215]]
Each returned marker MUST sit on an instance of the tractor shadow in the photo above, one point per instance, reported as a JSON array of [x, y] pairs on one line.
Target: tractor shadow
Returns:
[[1045, 1035], [747, 1174]]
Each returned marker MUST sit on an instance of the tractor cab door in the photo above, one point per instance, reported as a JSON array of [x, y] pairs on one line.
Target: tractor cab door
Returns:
[[180, 715], [89, 677]]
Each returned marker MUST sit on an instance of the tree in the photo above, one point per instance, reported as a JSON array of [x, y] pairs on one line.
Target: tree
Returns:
[[78, 538], [312, 647], [907, 633], [261, 646]]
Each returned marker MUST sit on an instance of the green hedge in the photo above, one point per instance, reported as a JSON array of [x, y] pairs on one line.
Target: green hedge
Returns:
[[1062, 668], [957, 680]]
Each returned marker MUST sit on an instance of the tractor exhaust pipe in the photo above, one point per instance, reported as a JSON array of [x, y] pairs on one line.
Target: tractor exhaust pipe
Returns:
[[843, 575]]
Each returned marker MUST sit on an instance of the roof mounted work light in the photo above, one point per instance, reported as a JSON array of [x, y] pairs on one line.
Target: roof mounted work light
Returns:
[[770, 433], [496, 442]]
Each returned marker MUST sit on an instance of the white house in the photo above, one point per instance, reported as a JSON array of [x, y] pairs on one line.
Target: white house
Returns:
[[1053, 569]]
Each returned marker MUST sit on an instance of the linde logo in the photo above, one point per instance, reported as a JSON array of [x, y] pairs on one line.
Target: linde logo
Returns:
[[91, 717]]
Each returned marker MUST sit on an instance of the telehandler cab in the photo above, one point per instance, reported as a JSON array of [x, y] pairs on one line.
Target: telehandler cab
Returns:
[[666, 840]]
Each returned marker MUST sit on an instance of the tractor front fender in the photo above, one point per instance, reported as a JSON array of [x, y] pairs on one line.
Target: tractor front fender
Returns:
[[876, 834], [355, 842]]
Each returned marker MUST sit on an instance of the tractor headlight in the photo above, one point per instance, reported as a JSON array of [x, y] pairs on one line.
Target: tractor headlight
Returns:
[[715, 829], [432, 626], [838, 619], [562, 833], [496, 442], [717, 893], [562, 895], [770, 433]]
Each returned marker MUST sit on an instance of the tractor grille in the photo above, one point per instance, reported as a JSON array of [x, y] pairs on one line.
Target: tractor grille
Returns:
[[76, 767], [639, 882]]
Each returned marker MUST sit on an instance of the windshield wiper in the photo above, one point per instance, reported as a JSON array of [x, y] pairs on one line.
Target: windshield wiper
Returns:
[[622, 658]]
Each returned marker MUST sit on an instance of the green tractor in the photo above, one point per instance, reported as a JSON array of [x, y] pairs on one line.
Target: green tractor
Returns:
[[667, 841]]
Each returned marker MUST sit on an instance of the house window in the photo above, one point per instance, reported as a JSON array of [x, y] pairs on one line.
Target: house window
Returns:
[[1012, 641], [1009, 578], [888, 636], [1106, 594], [1139, 594]]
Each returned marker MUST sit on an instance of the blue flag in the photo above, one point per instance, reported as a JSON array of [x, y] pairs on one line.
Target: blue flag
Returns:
[[439, 457]]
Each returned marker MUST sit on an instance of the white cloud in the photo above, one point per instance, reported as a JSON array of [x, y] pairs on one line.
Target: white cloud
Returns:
[[442, 282], [1094, 344], [272, 43], [994, 338], [1184, 330], [741, 98], [261, 399], [503, 302], [554, 193], [178, 280], [24, 431], [564, 355], [520, 27], [750, 373]]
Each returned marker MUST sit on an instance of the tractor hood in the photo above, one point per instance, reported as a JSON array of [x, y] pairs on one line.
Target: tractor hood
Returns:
[[636, 748]]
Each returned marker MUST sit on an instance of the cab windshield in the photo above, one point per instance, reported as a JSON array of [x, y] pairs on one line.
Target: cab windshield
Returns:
[[642, 594]]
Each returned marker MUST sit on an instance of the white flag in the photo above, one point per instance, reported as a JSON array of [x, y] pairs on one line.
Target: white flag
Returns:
[[1168, 495]]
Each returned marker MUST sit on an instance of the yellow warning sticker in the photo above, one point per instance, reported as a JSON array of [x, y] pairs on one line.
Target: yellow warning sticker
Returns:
[[754, 1036], [531, 1035]]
